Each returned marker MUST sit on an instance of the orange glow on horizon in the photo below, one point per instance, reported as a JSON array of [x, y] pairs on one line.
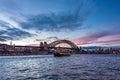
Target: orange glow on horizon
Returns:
[[34, 45]]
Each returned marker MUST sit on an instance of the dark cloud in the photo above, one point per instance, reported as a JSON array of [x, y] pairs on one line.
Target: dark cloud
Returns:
[[48, 38], [4, 24], [5, 38], [1, 39], [53, 37], [17, 33], [66, 20], [12, 33]]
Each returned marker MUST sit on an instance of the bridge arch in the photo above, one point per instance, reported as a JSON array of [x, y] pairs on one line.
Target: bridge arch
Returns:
[[53, 44]]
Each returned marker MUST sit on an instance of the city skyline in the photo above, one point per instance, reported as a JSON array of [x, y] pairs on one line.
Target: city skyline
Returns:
[[84, 22]]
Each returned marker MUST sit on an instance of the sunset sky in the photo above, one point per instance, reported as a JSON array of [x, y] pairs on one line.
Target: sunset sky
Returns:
[[84, 22]]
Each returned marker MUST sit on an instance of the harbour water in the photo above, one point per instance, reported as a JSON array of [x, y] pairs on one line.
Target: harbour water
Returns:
[[48, 67]]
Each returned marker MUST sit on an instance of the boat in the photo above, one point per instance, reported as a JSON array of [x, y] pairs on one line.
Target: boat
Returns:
[[61, 54]]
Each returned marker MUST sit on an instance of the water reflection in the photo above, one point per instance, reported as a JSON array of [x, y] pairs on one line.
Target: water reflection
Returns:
[[47, 67]]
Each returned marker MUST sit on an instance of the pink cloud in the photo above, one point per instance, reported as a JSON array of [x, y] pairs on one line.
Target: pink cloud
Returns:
[[112, 35]]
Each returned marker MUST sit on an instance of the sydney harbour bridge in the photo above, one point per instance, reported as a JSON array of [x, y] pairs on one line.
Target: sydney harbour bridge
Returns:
[[51, 46], [73, 46]]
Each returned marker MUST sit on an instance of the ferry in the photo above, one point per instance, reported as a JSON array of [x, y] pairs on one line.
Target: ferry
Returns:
[[56, 54], [60, 53]]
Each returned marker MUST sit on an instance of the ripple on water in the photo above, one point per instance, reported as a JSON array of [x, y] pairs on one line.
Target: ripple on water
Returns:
[[74, 67], [52, 76], [24, 70]]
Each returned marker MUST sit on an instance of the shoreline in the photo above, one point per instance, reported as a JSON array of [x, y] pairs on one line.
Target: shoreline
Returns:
[[51, 54]]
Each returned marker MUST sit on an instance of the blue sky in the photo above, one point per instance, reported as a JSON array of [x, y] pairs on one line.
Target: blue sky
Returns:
[[85, 22]]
